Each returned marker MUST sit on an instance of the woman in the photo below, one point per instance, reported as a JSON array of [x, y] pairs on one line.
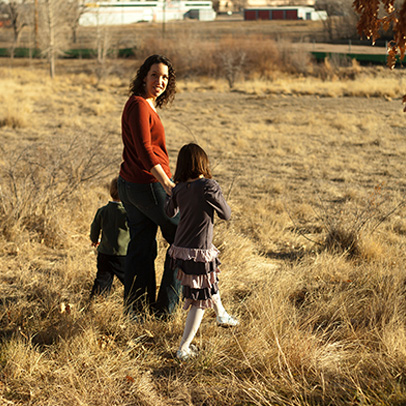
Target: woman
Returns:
[[144, 182]]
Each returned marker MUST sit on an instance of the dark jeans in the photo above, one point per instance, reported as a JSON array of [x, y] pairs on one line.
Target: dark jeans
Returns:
[[107, 267], [144, 204]]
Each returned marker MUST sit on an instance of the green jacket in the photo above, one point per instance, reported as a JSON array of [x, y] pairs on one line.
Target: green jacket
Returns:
[[111, 220]]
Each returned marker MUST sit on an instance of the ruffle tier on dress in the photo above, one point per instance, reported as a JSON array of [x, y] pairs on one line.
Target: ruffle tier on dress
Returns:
[[198, 273]]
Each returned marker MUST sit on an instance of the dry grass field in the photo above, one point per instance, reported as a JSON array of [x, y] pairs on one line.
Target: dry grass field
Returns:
[[313, 258]]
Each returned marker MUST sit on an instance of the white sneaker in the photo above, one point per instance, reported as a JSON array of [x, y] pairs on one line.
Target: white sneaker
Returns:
[[184, 355], [227, 321]]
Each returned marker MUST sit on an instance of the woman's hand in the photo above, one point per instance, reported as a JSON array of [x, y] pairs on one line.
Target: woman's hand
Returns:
[[168, 187], [163, 179]]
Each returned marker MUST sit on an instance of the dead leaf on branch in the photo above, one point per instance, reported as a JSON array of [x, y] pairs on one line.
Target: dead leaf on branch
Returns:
[[369, 24]]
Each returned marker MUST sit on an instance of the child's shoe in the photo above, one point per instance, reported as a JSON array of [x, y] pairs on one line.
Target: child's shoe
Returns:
[[185, 355], [227, 321]]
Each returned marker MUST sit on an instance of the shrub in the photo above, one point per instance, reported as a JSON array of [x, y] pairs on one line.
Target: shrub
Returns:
[[14, 117], [231, 58], [35, 182], [340, 239], [345, 230]]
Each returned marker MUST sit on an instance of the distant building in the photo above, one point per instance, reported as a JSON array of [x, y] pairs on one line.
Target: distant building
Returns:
[[239, 5], [132, 11], [280, 3], [283, 13]]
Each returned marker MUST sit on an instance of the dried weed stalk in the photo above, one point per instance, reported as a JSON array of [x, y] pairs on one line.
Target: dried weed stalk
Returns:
[[344, 228], [36, 181], [344, 232]]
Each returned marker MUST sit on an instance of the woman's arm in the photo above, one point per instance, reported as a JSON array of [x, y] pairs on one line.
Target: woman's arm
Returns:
[[138, 123], [163, 179]]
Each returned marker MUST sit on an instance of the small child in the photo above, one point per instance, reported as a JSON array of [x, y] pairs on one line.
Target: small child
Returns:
[[111, 220], [196, 196]]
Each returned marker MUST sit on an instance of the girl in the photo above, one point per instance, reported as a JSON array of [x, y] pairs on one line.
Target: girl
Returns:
[[196, 196]]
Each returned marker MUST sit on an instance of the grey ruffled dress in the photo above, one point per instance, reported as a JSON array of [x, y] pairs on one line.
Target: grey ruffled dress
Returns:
[[193, 254]]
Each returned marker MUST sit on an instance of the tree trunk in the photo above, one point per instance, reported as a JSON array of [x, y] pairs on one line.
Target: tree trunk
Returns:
[[36, 22], [51, 27]]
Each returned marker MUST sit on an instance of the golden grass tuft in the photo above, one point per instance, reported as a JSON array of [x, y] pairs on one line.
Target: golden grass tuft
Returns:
[[341, 240], [16, 116]]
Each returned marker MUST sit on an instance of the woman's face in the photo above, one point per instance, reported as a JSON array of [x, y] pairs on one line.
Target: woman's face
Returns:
[[156, 80]]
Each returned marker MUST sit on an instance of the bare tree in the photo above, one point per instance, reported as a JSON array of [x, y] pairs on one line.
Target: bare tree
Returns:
[[19, 18], [76, 9], [341, 20], [53, 30], [238, 5], [233, 62], [103, 46]]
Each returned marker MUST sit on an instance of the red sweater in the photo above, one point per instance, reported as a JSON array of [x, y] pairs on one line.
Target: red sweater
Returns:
[[144, 142]]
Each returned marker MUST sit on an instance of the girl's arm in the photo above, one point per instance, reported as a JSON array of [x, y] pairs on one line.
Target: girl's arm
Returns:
[[171, 207], [215, 198]]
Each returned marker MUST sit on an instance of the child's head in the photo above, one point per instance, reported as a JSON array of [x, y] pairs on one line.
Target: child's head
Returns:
[[192, 162], [114, 189]]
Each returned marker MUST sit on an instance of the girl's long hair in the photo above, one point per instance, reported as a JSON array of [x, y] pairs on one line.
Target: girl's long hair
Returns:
[[192, 162], [137, 84]]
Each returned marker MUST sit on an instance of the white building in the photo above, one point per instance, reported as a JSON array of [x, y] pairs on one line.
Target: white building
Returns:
[[238, 5], [133, 11]]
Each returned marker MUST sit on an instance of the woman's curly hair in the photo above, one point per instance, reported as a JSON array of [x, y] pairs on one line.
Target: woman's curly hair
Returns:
[[137, 84]]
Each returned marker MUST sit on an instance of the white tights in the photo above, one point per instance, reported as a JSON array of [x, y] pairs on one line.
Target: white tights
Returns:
[[194, 318]]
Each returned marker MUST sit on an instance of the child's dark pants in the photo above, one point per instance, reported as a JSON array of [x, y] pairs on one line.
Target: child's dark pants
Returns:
[[107, 267]]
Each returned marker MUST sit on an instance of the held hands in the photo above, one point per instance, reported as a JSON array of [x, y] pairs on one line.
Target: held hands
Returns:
[[168, 186], [163, 179]]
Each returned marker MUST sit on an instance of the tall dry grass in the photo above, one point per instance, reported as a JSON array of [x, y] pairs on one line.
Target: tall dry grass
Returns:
[[293, 155]]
